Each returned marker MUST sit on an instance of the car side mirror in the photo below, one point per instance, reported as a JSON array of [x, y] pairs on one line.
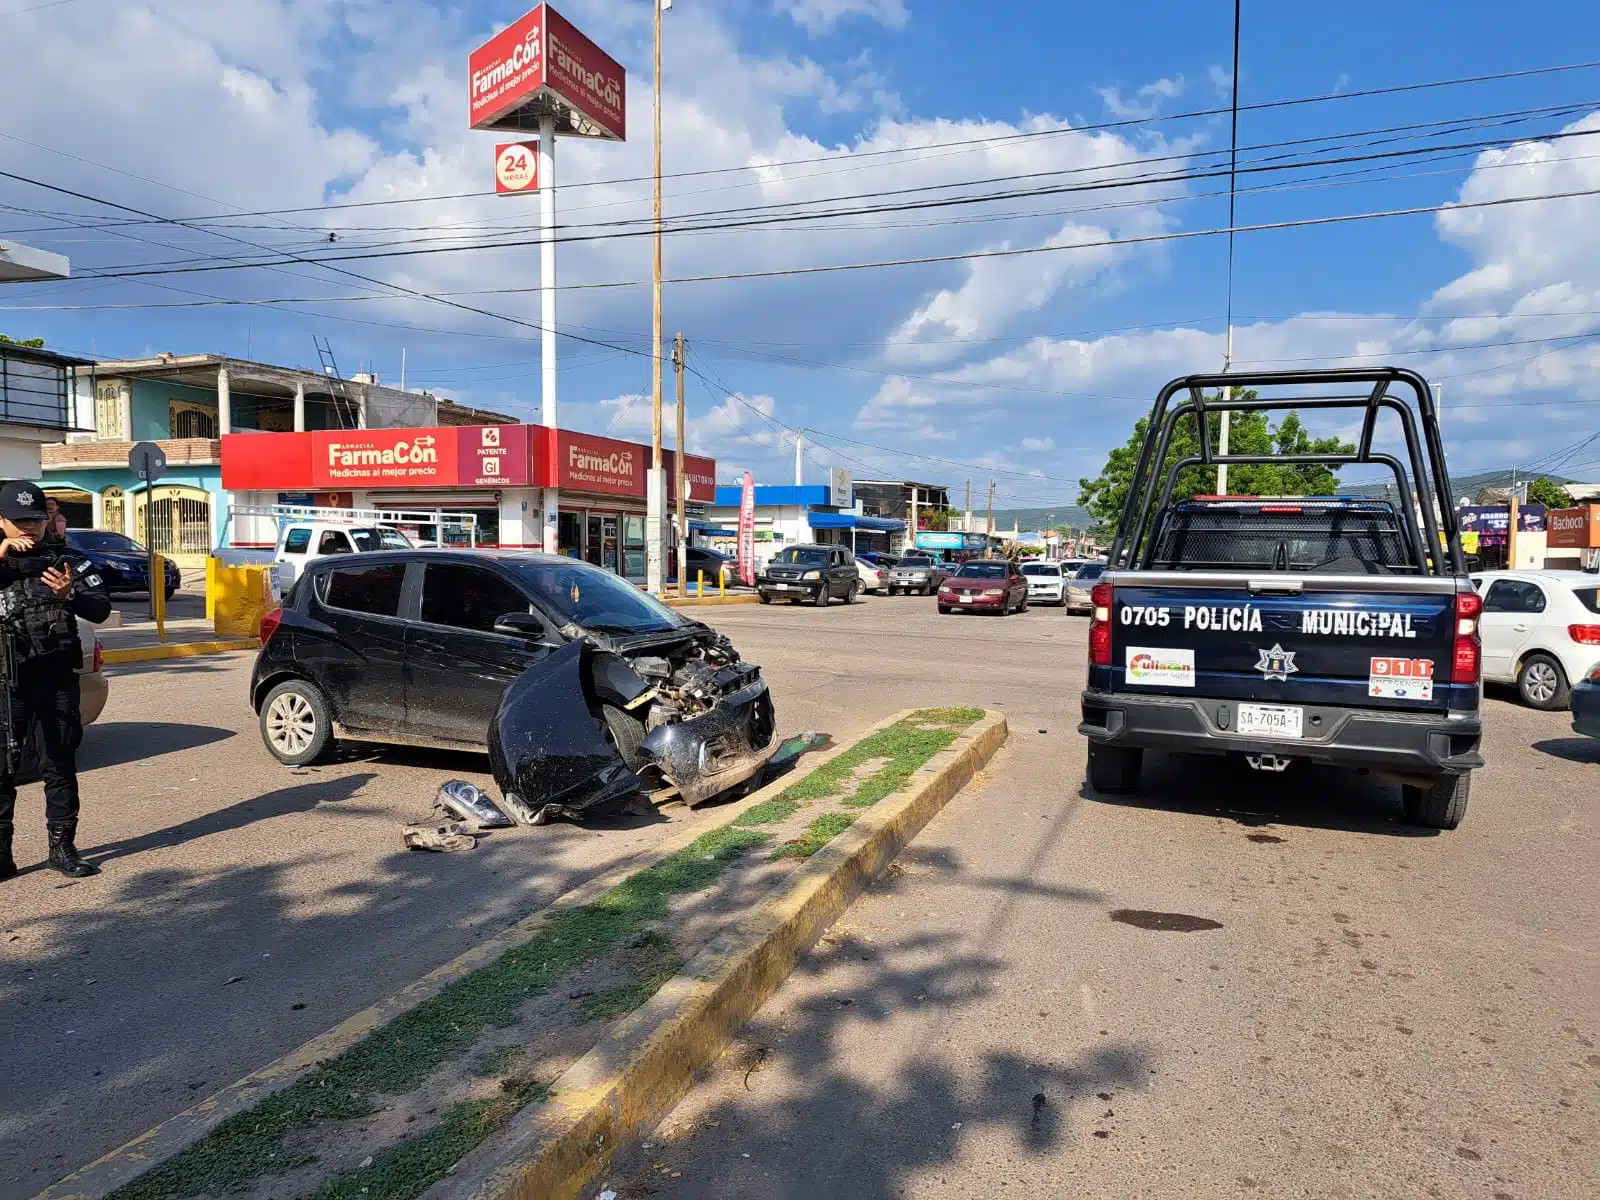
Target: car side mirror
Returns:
[[521, 624]]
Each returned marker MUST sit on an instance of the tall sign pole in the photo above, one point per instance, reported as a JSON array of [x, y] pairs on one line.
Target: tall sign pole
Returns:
[[679, 489], [550, 536], [656, 506]]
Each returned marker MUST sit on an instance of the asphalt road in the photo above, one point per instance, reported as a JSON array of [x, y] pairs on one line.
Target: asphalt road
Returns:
[[1378, 1013], [1358, 1009]]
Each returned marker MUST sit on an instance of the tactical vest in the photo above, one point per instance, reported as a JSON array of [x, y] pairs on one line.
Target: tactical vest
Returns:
[[38, 621]]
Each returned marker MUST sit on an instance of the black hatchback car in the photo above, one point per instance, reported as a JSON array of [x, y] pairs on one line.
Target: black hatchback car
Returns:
[[574, 680]]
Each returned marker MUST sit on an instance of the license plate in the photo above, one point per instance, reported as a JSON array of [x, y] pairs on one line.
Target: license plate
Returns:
[[965, 597], [780, 587], [1275, 720]]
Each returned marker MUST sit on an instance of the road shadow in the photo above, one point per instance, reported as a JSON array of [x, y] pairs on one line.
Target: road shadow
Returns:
[[208, 664], [1308, 795], [1573, 749], [298, 799], [111, 743], [790, 1112]]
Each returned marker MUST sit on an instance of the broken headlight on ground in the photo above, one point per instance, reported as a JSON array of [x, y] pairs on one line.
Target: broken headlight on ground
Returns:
[[587, 728]]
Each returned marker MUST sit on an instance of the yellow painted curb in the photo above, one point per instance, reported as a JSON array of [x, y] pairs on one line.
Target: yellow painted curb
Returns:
[[133, 654], [153, 1147], [690, 601], [556, 1149]]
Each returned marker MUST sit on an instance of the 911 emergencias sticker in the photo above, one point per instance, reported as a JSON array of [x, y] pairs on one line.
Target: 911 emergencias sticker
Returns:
[[1401, 678]]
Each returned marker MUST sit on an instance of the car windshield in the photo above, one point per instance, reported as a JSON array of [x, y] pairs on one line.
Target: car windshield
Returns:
[[803, 556], [983, 570], [581, 597], [1090, 571], [379, 539], [916, 560], [1049, 569], [100, 539]]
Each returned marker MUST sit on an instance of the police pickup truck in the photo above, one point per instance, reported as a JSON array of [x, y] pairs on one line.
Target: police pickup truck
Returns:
[[1335, 630]]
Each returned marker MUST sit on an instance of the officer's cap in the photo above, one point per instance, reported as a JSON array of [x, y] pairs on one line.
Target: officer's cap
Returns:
[[21, 500]]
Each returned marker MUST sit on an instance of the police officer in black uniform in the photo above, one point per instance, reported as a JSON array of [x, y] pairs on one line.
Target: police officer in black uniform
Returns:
[[42, 590]]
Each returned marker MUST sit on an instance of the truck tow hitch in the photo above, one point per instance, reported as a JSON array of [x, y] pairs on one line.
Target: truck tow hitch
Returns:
[[1268, 762]]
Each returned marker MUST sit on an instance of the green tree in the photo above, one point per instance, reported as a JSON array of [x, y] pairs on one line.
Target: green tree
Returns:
[[1248, 433], [31, 343], [1549, 493]]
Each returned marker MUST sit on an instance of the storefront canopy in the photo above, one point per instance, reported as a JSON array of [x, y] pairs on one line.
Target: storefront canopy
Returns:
[[819, 520]]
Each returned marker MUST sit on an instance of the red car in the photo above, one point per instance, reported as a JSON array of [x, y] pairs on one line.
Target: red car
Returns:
[[984, 585]]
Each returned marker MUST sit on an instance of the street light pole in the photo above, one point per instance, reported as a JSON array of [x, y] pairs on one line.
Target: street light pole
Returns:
[[655, 506], [682, 476]]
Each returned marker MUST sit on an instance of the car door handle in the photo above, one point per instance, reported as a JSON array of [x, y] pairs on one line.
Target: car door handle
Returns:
[[1519, 629]]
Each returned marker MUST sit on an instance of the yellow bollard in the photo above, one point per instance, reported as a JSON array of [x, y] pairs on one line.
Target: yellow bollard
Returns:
[[158, 595], [212, 563], [722, 581], [700, 582]]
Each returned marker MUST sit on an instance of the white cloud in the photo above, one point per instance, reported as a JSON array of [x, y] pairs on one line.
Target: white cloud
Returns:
[[820, 16], [1147, 101], [1038, 445]]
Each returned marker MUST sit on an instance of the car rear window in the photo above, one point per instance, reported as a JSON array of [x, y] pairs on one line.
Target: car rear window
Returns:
[[982, 571], [1589, 598], [1090, 571], [374, 589]]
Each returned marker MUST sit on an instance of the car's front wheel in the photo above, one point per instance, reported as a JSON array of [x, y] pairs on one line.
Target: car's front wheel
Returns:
[[296, 727], [1542, 683], [765, 598]]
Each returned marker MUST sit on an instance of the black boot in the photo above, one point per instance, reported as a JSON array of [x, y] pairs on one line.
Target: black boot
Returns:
[[63, 854], [8, 865]]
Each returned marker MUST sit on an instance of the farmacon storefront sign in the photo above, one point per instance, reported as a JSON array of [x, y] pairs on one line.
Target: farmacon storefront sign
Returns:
[[449, 456]]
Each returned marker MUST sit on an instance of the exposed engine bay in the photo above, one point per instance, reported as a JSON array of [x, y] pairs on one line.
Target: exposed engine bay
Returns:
[[602, 720]]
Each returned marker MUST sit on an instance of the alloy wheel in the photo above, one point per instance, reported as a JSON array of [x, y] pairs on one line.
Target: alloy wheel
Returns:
[[291, 723]]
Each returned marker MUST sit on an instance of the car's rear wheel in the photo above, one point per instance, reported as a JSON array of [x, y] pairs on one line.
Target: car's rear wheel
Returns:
[[850, 595], [296, 727], [1114, 770], [1440, 805], [1542, 683]]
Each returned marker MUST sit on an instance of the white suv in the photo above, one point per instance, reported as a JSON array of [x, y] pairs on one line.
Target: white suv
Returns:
[[1540, 630]]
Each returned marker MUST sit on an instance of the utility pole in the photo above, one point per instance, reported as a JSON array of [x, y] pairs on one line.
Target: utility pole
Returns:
[[550, 537], [988, 525], [913, 526], [656, 505], [678, 484], [966, 510], [1227, 353], [799, 458]]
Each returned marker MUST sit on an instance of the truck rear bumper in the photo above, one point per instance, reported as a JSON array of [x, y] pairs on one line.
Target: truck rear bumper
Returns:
[[1389, 742]]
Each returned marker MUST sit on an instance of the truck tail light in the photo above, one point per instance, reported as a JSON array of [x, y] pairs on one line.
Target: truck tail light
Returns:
[[1584, 635], [1467, 658], [1100, 626], [269, 624]]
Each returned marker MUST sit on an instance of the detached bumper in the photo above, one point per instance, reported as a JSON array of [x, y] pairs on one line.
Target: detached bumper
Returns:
[[713, 752], [1395, 742]]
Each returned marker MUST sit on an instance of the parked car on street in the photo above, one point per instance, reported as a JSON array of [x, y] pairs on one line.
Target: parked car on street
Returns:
[[119, 560], [1080, 587], [583, 688], [815, 573], [703, 558], [1046, 584], [1541, 631], [1585, 704], [872, 578], [919, 573], [884, 562], [984, 585]]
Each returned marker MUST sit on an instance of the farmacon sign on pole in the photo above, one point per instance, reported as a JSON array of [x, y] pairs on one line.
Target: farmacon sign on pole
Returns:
[[540, 74]]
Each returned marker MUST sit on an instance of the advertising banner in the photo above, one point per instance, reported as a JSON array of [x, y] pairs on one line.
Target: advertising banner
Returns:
[[266, 462], [747, 531], [1492, 521], [516, 168], [699, 476], [507, 70], [384, 457], [493, 456], [1573, 528], [841, 487], [584, 76]]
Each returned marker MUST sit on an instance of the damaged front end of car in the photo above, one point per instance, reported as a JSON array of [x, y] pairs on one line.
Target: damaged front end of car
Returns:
[[587, 728]]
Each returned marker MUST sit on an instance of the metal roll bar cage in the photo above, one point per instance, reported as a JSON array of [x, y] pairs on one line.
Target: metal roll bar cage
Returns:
[[1134, 544]]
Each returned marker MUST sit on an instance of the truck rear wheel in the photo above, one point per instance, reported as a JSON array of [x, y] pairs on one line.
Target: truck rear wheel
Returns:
[[1114, 770], [1441, 805]]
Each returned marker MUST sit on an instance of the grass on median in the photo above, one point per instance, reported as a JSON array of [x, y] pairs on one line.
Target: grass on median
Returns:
[[768, 812], [399, 1056], [817, 835]]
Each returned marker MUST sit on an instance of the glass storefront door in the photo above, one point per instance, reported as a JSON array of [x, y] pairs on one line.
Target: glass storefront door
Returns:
[[633, 553]]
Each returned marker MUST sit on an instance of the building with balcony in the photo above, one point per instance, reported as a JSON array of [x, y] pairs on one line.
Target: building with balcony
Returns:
[[38, 390]]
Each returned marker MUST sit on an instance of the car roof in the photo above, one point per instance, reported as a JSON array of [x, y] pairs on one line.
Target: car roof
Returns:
[[1570, 578], [448, 554]]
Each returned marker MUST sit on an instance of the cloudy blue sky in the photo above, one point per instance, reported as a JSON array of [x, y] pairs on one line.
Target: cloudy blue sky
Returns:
[[1072, 122]]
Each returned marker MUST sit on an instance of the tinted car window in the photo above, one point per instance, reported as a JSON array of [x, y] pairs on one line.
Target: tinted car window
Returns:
[[374, 589], [1090, 571], [803, 556], [379, 539], [101, 539], [467, 597], [333, 542], [916, 560], [983, 571], [579, 596], [1514, 596], [1589, 598], [297, 541]]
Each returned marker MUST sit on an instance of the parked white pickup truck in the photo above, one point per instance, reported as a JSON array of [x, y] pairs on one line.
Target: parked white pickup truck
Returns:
[[307, 533]]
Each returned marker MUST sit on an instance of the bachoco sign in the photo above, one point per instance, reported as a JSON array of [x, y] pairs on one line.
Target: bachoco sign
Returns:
[[542, 56]]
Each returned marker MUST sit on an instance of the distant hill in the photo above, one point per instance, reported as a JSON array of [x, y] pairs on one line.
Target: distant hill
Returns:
[[1464, 485], [1039, 518]]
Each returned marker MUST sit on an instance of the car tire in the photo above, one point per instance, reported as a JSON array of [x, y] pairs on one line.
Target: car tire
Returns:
[[944, 610], [1542, 683], [296, 726], [765, 599], [1114, 770], [1440, 805], [625, 733], [171, 591], [850, 594]]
